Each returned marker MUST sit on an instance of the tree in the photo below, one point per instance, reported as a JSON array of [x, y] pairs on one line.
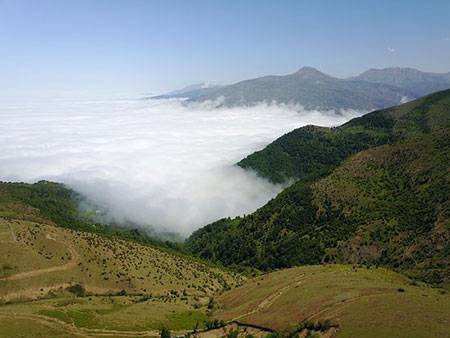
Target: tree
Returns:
[[196, 326], [164, 332], [211, 303]]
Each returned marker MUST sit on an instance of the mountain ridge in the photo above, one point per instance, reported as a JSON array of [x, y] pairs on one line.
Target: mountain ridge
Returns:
[[313, 89], [421, 83]]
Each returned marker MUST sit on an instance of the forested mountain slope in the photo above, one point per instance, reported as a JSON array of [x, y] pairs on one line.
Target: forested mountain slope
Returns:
[[310, 149], [387, 205]]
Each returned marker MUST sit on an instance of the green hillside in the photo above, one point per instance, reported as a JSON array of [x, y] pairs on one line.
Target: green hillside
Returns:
[[343, 300], [310, 149], [58, 281], [61, 205], [383, 206]]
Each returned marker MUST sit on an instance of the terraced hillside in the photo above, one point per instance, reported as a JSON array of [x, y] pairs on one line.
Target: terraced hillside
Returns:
[[60, 281], [348, 301]]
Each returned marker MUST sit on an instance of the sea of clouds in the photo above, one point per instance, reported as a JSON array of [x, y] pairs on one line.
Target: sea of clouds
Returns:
[[165, 164]]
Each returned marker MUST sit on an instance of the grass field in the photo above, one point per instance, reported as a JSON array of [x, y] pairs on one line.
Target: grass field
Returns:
[[56, 282], [363, 302]]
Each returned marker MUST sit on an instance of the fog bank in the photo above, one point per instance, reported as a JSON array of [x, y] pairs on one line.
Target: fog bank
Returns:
[[159, 163]]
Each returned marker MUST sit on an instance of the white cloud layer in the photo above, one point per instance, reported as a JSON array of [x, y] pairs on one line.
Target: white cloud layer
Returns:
[[159, 163]]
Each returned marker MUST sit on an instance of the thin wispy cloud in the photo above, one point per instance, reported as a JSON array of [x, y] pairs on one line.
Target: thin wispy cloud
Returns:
[[158, 163], [391, 49]]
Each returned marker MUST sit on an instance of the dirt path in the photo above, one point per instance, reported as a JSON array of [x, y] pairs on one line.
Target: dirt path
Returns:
[[47, 321], [11, 232], [268, 301], [85, 332], [332, 309], [33, 293], [69, 265]]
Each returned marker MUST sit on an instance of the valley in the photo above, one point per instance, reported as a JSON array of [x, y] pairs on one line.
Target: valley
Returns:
[[61, 282], [356, 247], [224, 169]]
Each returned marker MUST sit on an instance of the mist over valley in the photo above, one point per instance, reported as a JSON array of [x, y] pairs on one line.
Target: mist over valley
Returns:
[[165, 164]]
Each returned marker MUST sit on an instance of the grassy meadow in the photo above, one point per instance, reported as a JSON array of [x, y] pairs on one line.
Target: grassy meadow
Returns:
[[360, 301], [66, 282]]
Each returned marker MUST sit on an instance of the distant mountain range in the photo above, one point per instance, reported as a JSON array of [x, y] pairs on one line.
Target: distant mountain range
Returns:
[[420, 83], [373, 89], [190, 92]]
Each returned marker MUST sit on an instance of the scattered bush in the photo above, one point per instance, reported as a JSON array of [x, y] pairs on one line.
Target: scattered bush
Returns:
[[164, 332], [77, 290]]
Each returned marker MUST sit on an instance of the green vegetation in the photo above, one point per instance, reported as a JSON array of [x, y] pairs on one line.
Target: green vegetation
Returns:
[[77, 290], [188, 319], [80, 282], [83, 318], [374, 195], [60, 315], [214, 324], [313, 149], [46, 200], [384, 206], [164, 332]]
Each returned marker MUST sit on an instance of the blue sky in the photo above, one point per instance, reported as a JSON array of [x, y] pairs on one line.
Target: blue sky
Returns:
[[147, 46]]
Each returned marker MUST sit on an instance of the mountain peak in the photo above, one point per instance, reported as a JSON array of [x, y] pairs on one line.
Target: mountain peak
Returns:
[[311, 72]]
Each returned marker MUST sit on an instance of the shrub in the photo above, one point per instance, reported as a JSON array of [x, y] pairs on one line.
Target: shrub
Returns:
[[211, 304], [233, 334], [312, 334], [77, 290], [164, 332]]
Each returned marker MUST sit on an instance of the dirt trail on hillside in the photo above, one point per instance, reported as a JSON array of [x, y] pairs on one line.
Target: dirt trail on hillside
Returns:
[[334, 308], [71, 264], [47, 321], [268, 301], [11, 232], [85, 332], [33, 293]]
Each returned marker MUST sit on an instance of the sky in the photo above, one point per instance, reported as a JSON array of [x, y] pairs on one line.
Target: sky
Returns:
[[107, 47]]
